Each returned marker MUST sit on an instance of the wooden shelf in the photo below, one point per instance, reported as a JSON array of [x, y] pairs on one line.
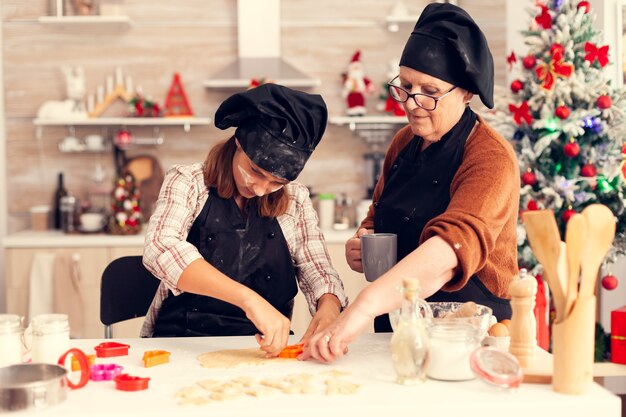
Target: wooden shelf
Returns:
[[394, 22], [64, 21], [126, 121], [376, 122]]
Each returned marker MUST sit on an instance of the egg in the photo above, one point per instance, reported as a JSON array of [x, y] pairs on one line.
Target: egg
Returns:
[[498, 330], [507, 323]]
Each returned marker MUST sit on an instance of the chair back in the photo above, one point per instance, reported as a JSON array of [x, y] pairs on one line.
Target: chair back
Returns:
[[126, 291]]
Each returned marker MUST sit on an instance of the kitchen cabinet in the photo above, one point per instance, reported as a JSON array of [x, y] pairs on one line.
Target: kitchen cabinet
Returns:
[[94, 252]]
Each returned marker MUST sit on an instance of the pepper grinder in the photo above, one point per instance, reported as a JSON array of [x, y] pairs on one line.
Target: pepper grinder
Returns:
[[523, 324]]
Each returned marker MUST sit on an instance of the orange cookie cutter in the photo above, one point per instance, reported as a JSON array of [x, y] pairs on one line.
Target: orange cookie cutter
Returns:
[[155, 357], [91, 359], [291, 351]]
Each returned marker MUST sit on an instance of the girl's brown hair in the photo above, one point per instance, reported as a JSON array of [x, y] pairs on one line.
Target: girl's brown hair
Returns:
[[218, 173]]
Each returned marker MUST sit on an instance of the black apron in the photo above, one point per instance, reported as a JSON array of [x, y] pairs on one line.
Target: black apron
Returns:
[[251, 250], [416, 190]]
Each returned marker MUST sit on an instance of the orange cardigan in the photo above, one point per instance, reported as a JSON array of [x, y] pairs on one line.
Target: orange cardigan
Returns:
[[480, 222]]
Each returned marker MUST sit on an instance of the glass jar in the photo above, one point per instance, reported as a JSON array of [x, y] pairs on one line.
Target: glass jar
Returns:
[[409, 343], [451, 345], [50, 337], [11, 332]]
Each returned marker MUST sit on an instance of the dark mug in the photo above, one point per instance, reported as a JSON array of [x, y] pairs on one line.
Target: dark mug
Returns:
[[379, 253]]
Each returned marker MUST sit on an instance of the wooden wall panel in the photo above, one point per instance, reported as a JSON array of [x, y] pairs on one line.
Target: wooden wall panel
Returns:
[[197, 38]]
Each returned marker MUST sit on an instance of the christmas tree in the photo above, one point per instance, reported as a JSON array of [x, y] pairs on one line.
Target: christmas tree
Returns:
[[126, 216], [565, 120]]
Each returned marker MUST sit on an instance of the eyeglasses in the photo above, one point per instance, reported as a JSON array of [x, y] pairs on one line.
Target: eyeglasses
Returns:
[[425, 101]]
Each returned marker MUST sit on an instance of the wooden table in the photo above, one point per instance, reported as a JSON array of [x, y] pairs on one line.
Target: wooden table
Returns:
[[368, 363]]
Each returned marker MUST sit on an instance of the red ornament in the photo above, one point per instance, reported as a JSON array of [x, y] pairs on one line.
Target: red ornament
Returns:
[[529, 178], [511, 59], [521, 112], [584, 5], [529, 62], [594, 53], [604, 102], [567, 214], [532, 205], [588, 170], [571, 150], [624, 149], [562, 112], [556, 50], [516, 86], [123, 138], [609, 282], [544, 19]]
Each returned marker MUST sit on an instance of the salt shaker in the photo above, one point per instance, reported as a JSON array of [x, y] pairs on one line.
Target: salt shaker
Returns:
[[409, 343], [50, 337], [10, 339], [523, 322]]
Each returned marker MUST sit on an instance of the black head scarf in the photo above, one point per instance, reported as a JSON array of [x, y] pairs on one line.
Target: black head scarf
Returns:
[[447, 44], [277, 127]]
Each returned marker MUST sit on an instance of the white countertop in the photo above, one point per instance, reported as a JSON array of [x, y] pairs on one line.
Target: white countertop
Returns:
[[55, 238], [368, 364]]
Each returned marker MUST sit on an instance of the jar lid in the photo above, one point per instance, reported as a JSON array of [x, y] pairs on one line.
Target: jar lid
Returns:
[[326, 196], [40, 209], [10, 323], [50, 323], [496, 367]]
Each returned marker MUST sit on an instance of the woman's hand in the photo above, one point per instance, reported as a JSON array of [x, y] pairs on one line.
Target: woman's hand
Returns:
[[328, 309], [353, 250], [332, 342], [274, 327]]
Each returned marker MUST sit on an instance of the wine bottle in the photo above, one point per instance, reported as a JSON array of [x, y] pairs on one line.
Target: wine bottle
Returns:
[[58, 194]]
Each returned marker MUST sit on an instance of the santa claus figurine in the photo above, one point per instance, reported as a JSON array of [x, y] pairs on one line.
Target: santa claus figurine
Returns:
[[356, 86]]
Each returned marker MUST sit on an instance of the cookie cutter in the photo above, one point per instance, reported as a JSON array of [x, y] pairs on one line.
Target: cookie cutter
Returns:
[[125, 382], [105, 372], [155, 357], [108, 349], [291, 351], [91, 359], [85, 372]]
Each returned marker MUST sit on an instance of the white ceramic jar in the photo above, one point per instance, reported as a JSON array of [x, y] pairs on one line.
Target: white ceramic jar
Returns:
[[50, 337], [326, 207], [11, 332], [451, 345]]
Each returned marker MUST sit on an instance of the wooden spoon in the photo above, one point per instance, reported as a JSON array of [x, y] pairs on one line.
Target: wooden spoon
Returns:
[[575, 237], [600, 234], [545, 241]]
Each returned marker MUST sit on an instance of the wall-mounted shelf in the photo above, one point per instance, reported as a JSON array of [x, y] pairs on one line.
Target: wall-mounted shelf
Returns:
[[185, 122], [379, 122], [64, 21], [393, 22]]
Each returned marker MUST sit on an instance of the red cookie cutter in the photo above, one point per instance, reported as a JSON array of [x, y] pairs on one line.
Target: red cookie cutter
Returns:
[[108, 349], [125, 382], [105, 372], [84, 367], [155, 357]]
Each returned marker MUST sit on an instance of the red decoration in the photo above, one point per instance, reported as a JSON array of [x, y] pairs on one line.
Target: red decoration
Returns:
[[529, 62], [511, 59], [541, 305], [593, 53], [618, 335], [624, 149], [529, 178], [588, 170], [548, 72], [521, 113], [571, 150], [567, 214], [604, 102], [584, 5], [562, 112], [609, 282], [123, 138], [532, 205], [176, 103], [516, 86], [544, 19]]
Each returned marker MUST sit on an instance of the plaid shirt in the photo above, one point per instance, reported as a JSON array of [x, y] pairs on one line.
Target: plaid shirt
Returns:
[[167, 252]]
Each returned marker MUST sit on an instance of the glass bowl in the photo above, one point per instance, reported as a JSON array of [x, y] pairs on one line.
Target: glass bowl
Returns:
[[445, 312]]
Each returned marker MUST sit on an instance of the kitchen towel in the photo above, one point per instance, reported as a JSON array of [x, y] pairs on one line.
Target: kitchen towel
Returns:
[[40, 292], [67, 296]]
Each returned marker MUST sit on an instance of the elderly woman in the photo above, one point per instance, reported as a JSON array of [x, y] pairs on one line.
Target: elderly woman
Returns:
[[231, 238], [449, 189]]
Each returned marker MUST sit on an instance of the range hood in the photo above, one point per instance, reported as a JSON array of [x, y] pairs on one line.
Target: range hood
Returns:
[[259, 56]]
